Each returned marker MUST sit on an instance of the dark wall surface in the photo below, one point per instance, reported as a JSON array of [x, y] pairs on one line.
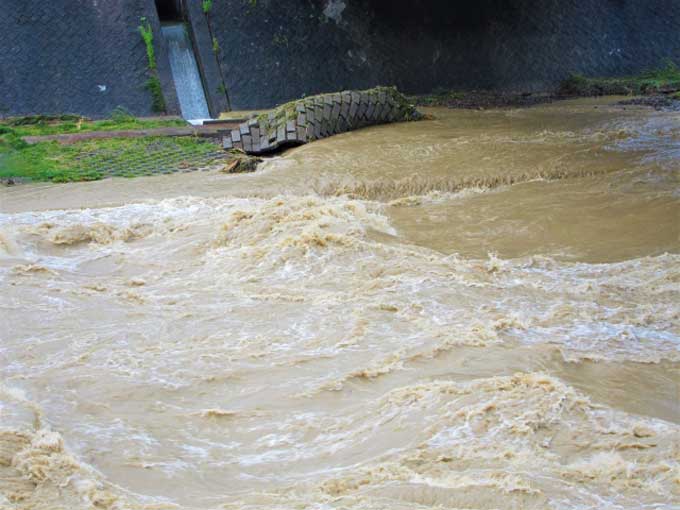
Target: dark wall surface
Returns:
[[56, 53], [275, 50], [77, 56]]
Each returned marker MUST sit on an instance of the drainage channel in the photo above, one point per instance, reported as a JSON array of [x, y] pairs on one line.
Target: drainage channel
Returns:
[[185, 73]]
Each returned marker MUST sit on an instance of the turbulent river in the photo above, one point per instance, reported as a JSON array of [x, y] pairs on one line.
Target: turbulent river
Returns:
[[480, 311]]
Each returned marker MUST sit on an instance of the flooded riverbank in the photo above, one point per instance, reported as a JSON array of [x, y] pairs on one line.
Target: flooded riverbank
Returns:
[[479, 312]]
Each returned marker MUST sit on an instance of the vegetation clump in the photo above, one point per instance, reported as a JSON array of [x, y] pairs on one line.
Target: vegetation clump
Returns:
[[664, 79], [241, 163], [153, 84], [438, 97]]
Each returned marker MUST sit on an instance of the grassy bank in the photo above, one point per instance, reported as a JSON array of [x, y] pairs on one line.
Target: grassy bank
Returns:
[[95, 159], [662, 80], [37, 125]]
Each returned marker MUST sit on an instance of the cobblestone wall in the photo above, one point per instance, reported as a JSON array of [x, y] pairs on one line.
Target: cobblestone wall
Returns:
[[318, 117]]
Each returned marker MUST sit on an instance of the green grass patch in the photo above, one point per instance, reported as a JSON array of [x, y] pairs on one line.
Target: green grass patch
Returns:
[[45, 125], [650, 82], [95, 159], [42, 162]]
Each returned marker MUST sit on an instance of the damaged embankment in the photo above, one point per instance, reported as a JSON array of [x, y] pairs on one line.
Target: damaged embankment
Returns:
[[317, 117], [293, 123]]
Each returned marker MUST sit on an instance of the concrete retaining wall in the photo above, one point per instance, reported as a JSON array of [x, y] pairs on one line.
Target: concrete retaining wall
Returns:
[[86, 56], [78, 56], [277, 50]]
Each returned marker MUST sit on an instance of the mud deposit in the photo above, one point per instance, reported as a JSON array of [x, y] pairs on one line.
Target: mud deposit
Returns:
[[477, 312]]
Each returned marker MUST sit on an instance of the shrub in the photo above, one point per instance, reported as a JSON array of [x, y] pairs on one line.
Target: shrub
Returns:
[[153, 84], [147, 35], [120, 115]]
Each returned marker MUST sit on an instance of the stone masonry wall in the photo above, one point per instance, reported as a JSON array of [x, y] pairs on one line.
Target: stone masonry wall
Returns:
[[318, 117]]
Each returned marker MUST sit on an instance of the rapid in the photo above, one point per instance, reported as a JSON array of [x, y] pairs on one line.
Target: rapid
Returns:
[[480, 311]]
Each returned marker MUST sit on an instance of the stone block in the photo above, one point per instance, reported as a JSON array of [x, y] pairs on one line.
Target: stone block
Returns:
[[310, 133], [236, 135], [281, 133], [290, 126], [255, 132], [330, 127], [301, 134], [353, 110], [377, 112], [227, 144], [370, 110], [361, 112], [335, 113], [344, 109], [244, 129], [301, 119], [327, 112]]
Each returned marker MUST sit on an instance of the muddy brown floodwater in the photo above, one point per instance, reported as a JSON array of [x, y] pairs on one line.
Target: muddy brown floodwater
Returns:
[[476, 312]]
